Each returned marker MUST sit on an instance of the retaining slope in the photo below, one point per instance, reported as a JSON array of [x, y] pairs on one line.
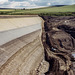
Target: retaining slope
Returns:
[[22, 56], [12, 28]]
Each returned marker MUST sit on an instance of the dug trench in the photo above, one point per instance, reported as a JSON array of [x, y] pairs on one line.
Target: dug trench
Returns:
[[58, 38]]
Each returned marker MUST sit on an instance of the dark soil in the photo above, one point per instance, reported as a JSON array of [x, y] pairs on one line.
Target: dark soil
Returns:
[[58, 39]]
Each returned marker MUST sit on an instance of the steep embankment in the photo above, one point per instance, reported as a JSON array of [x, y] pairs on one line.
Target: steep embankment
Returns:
[[16, 26], [58, 39], [23, 56], [21, 50]]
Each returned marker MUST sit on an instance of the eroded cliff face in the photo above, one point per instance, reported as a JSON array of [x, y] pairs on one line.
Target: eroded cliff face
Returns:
[[58, 39]]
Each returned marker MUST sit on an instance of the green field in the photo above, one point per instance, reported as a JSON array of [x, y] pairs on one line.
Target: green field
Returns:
[[62, 10]]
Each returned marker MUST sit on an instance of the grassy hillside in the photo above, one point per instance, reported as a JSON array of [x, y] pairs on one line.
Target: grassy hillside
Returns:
[[55, 10]]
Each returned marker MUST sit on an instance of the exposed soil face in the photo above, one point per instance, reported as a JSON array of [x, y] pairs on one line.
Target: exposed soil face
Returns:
[[58, 39]]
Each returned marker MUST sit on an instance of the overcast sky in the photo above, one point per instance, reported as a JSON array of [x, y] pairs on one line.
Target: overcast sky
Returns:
[[33, 3]]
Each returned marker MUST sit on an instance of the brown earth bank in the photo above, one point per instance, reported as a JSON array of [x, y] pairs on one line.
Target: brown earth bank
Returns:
[[58, 38]]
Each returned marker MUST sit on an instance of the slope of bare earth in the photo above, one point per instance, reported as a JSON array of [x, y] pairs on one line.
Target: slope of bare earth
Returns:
[[58, 39], [23, 56]]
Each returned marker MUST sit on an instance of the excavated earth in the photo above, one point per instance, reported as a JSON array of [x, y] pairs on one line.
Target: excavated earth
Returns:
[[52, 53], [58, 38]]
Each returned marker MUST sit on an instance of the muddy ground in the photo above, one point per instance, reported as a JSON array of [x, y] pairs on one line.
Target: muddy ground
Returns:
[[58, 38]]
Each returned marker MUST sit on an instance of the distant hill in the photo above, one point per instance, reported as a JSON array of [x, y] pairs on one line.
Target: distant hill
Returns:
[[52, 10], [58, 5], [4, 8], [7, 8]]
